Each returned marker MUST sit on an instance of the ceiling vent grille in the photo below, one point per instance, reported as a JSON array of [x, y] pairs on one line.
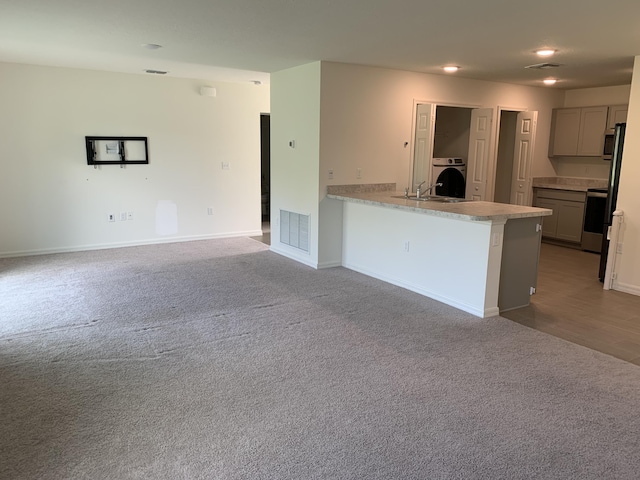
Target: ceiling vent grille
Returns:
[[543, 66]]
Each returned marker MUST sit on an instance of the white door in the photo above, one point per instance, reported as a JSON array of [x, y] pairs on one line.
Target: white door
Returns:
[[423, 146], [477, 160], [522, 156]]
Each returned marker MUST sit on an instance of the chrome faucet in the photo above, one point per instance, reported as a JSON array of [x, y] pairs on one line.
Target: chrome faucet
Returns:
[[428, 189]]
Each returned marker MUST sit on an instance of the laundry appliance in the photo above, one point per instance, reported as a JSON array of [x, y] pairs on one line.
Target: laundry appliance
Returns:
[[452, 174]]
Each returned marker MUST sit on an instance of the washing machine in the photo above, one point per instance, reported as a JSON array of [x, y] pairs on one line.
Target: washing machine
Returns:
[[452, 173]]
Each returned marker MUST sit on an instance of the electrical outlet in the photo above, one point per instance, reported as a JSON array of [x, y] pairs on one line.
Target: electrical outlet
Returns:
[[209, 210], [123, 216], [330, 174], [111, 217], [619, 247], [225, 166], [406, 246], [358, 173]]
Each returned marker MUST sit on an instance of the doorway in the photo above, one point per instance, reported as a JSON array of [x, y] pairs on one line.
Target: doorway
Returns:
[[265, 167], [514, 154], [459, 134], [504, 158]]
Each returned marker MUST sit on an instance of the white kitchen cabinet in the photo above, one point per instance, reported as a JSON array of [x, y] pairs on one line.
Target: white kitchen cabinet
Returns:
[[568, 213], [617, 114], [578, 131]]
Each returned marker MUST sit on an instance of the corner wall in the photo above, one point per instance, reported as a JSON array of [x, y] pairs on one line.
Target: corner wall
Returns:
[[628, 263], [51, 200], [295, 116]]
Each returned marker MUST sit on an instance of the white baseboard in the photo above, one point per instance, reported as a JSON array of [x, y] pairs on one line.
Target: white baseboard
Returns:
[[304, 259], [626, 288], [478, 312], [136, 243]]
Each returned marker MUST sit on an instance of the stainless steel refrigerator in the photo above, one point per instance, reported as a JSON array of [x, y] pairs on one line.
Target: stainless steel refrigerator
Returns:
[[612, 194]]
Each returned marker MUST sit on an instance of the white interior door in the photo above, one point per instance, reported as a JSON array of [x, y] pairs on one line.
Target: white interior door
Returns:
[[477, 160], [423, 147], [522, 156]]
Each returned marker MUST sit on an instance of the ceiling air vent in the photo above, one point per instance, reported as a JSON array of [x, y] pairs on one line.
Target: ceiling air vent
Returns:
[[542, 66], [157, 72]]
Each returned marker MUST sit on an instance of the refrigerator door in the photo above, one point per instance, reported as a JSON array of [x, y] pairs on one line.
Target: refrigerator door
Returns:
[[612, 197]]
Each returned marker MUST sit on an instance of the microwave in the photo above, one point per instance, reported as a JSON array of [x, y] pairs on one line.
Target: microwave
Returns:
[[607, 149]]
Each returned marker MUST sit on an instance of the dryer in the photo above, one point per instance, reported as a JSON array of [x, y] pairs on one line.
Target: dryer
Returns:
[[452, 173]]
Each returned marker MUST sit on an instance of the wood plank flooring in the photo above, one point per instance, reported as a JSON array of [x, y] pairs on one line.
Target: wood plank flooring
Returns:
[[570, 303]]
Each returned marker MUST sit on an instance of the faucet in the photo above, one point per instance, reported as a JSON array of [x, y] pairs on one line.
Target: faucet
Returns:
[[428, 189]]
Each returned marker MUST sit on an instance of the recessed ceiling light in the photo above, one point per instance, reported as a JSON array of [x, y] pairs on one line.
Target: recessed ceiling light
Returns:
[[545, 52], [451, 69], [151, 46], [550, 81]]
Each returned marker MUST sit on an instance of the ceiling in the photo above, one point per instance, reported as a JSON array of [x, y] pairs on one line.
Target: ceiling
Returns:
[[245, 40]]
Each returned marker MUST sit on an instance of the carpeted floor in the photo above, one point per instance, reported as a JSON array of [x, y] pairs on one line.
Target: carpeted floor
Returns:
[[221, 360]]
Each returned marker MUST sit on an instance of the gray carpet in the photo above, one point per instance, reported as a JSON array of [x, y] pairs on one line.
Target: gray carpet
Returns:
[[221, 360]]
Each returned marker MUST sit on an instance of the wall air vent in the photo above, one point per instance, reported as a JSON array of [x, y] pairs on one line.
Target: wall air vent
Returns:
[[156, 72], [294, 230], [543, 66]]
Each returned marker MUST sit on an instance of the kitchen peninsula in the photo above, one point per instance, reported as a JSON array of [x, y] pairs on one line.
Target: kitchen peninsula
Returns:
[[480, 257]]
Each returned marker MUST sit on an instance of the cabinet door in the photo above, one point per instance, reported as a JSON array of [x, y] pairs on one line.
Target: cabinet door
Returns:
[[550, 223], [617, 114], [569, 221], [593, 123], [565, 129]]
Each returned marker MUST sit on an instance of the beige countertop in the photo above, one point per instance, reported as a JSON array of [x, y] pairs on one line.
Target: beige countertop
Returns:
[[471, 211], [569, 183]]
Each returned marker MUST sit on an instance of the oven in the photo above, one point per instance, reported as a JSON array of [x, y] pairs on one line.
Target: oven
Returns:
[[593, 227]]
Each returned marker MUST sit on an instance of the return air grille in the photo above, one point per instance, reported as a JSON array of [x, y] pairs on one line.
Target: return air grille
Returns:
[[294, 230]]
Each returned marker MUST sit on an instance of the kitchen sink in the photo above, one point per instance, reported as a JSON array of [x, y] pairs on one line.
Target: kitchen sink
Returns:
[[432, 198]]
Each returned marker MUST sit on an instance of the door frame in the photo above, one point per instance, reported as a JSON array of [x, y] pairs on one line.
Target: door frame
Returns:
[[491, 171], [414, 125]]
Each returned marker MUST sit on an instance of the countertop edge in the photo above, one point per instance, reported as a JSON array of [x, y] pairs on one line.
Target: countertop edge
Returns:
[[444, 210]]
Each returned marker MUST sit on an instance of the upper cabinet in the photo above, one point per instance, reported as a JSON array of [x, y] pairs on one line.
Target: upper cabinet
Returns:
[[617, 114], [578, 131]]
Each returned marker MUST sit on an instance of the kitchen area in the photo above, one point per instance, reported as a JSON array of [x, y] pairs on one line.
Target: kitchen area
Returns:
[[583, 207]]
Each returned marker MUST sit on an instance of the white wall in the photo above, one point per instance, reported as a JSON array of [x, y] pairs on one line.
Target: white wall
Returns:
[[447, 259], [51, 200], [295, 116], [628, 263], [367, 116], [588, 97]]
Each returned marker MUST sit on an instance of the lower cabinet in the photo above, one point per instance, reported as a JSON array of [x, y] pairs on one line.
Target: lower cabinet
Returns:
[[568, 213]]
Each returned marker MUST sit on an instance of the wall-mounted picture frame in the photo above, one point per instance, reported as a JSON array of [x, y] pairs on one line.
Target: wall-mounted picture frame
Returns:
[[116, 150]]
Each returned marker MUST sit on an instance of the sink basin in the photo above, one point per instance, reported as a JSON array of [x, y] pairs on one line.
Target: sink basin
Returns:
[[432, 198]]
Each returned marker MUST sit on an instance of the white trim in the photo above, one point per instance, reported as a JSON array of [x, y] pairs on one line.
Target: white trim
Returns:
[[626, 288], [482, 313], [138, 243], [304, 259]]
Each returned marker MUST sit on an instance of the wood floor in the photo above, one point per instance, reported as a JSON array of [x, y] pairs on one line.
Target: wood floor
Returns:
[[570, 303]]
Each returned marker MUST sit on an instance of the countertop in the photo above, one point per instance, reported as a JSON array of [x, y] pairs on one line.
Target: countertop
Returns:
[[569, 183], [471, 210]]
